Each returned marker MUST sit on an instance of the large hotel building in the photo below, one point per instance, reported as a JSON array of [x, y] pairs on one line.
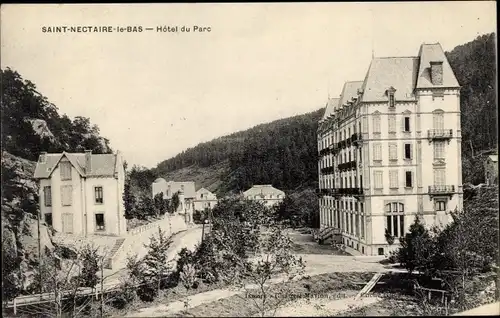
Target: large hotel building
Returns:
[[390, 149]]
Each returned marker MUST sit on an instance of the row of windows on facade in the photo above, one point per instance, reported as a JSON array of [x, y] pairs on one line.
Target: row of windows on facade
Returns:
[[438, 147], [67, 195], [438, 123], [350, 182], [392, 207], [99, 220], [395, 216]]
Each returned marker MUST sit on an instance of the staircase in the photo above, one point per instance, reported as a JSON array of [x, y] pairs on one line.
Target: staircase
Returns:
[[368, 287], [326, 233], [116, 247]]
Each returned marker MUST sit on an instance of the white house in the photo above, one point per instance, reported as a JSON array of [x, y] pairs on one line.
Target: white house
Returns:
[[204, 200], [186, 191], [82, 193], [266, 194]]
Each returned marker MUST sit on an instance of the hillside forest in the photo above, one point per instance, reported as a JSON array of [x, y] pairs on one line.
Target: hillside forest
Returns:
[[282, 153]]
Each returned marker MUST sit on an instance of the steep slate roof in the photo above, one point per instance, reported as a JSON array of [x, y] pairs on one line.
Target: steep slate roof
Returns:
[[263, 189], [405, 74], [349, 90], [103, 165], [384, 72], [331, 105], [429, 53]]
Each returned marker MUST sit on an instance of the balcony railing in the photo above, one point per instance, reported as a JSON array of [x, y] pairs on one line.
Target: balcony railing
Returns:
[[349, 191], [440, 133], [441, 189], [347, 165], [327, 170]]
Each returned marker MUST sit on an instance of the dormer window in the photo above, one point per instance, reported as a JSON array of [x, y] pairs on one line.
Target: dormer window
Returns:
[[390, 95]]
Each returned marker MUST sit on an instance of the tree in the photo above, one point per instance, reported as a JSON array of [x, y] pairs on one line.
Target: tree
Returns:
[[157, 265], [129, 202], [161, 205], [416, 247], [274, 257], [174, 202]]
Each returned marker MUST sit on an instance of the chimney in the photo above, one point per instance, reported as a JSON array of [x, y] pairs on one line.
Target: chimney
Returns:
[[437, 72], [88, 161], [43, 157]]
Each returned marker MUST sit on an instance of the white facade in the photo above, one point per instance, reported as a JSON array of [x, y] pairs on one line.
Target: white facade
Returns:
[[266, 194], [382, 162], [85, 203], [204, 200]]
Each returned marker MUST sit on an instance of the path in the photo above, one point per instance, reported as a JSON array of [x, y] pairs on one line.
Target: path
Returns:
[[315, 265], [322, 307]]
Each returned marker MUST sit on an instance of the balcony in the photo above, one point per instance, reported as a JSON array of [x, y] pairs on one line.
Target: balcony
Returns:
[[437, 190], [356, 139], [327, 170], [439, 134], [349, 191], [347, 165]]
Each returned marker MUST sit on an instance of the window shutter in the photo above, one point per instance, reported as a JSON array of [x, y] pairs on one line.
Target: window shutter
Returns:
[[411, 151]]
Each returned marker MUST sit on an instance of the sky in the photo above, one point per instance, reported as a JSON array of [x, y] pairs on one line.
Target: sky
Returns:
[[155, 94]]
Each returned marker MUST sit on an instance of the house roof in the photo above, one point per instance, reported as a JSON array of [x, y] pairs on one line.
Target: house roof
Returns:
[[493, 158], [331, 105], [263, 189], [188, 187], [203, 190], [349, 91], [103, 165], [430, 53], [405, 74], [386, 72]]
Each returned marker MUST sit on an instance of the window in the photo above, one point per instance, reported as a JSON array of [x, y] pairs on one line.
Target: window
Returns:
[[99, 222], [393, 179], [48, 219], [392, 123], [391, 99], [361, 181], [438, 150], [66, 195], [393, 152], [395, 218], [408, 151], [438, 120], [357, 225], [202, 195], [440, 205], [408, 179], [47, 196], [377, 152], [65, 167], [362, 226], [380, 251], [439, 177], [406, 124], [376, 124], [352, 223], [377, 176], [98, 195]]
